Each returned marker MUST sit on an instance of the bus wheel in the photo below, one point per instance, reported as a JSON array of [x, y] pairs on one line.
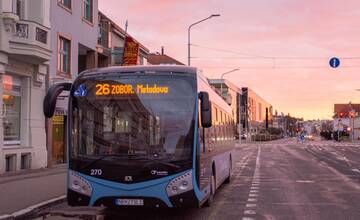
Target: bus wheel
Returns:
[[228, 179], [212, 191]]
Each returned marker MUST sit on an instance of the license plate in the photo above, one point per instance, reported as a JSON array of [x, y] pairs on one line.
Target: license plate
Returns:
[[129, 202]]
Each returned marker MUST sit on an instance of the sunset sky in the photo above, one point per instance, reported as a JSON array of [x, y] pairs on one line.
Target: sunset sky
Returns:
[[282, 47]]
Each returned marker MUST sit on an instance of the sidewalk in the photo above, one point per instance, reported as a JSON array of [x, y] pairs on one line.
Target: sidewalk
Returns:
[[22, 190]]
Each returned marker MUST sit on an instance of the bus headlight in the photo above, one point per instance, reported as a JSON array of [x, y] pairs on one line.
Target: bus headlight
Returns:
[[180, 184], [79, 184]]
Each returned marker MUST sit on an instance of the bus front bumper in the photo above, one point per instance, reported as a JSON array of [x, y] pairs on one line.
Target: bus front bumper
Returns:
[[187, 199]]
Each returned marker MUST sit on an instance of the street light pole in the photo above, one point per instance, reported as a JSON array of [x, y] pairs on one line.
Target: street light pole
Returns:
[[222, 77], [192, 25], [221, 90]]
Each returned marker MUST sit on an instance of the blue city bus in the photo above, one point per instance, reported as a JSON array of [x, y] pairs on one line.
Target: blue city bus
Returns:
[[150, 136]]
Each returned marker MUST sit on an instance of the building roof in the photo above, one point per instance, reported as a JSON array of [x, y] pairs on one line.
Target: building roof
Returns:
[[157, 59], [225, 83]]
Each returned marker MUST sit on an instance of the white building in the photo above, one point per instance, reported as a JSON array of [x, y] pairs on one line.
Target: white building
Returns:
[[24, 54]]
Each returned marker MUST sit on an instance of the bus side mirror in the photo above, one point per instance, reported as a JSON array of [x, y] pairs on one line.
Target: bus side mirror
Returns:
[[205, 106], [54, 91]]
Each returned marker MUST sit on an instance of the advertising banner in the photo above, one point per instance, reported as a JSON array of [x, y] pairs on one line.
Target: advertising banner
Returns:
[[131, 52]]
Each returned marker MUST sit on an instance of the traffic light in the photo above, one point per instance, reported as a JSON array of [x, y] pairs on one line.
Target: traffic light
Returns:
[[341, 114]]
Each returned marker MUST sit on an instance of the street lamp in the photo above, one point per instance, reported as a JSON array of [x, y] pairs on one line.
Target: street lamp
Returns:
[[222, 77], [221, 89], [211, 16]]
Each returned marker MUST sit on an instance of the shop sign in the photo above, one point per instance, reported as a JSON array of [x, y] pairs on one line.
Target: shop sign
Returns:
[[8, 82], [58, 120], [131, 52]]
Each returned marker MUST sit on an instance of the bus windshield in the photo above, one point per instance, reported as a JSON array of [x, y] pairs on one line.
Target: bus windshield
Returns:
[[133, 122]]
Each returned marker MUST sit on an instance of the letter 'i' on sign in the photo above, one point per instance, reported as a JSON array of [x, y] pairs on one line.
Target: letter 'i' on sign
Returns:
[[334, 62]]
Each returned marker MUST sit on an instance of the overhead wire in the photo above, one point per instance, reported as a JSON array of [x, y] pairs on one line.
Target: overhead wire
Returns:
[[278, 67], [255, 56]]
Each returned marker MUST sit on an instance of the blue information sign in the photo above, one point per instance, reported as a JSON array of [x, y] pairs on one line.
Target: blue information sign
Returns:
[[334, 62]]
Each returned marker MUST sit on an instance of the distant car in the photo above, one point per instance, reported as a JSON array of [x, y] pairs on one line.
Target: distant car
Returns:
[[309, 137]]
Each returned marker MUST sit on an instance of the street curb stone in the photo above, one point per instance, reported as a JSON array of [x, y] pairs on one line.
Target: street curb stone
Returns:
[[30, 211]]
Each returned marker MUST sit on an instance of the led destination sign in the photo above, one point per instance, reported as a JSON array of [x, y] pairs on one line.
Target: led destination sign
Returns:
[[104, 89]]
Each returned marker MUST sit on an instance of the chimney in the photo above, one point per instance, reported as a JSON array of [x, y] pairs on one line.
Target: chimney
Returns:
[[162, 50]]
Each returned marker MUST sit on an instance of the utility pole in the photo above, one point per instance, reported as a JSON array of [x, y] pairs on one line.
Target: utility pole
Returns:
[[126, 27], [240, 113]]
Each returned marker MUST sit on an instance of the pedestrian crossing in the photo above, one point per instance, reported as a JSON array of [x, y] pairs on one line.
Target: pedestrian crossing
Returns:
[[305, 143], [333, 144]]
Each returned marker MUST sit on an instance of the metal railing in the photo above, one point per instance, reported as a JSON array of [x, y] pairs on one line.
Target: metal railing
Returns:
[[22, 30]]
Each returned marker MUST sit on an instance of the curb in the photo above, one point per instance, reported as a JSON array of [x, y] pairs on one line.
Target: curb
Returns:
[[30, 176], [28, 212]]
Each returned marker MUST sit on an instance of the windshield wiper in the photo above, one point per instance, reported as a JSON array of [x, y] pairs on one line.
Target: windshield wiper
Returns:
[[158, 161], [103, 157]]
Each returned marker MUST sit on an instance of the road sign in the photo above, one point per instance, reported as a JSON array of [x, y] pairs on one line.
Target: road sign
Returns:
[[334, 62]]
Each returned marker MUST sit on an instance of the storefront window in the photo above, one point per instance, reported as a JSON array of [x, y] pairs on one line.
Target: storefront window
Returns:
[[11, 109]]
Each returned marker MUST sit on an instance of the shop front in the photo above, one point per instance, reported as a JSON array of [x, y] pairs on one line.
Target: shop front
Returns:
[[22, 137]]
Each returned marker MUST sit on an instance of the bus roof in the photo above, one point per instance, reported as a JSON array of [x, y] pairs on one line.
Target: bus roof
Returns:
[[140, 68]]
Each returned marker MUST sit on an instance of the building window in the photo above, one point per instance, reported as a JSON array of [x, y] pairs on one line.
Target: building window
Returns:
[[65, 3], [25, 161], [19, 8], [216, 115], [10, 162], [11, 110], [64, 55], [88, 10]]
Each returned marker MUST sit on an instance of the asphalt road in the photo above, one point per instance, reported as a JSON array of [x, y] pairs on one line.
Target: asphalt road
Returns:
[[274, 180]]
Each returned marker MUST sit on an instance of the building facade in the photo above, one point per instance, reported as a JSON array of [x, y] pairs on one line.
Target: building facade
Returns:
[[347, 117], [230, 93], [25, 51], [257, 111], [83, 38], [117, 43], [74, 42]]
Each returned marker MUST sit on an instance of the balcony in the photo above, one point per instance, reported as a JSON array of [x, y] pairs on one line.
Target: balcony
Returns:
[[103, 39], [30, 41]]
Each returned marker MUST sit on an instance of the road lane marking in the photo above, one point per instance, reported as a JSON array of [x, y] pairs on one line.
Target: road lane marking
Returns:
[[251, 205], [356, 170], [240, 179], [247, 218], [304, 181], [249, 212], [254, 189]]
